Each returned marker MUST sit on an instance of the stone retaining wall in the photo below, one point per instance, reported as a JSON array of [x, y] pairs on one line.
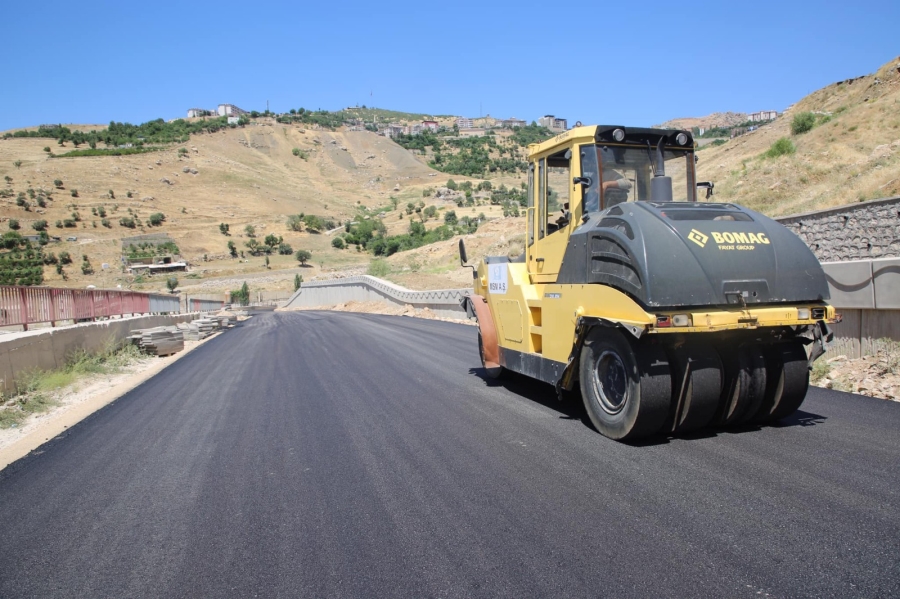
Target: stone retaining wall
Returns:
[[855, 232]]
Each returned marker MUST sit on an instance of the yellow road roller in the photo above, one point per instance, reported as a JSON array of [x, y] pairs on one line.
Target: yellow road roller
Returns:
[[668, 313]]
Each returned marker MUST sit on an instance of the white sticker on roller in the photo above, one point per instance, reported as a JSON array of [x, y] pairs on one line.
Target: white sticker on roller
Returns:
[[497, 278]]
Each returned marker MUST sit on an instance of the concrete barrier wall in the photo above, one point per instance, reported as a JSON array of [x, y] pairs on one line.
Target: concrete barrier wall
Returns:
[[363, 288], [48, 349]]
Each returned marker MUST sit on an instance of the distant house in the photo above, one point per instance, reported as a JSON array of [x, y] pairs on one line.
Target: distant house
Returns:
[[198, 112], [513, 122], [554, 124], [230, 110], [464, 123], [433, 125], [764, 115], [234, 120], [393, 130], [473, 132]]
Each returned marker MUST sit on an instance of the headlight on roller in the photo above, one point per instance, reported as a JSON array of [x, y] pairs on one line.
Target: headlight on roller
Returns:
[[681, 320], [803, 313]]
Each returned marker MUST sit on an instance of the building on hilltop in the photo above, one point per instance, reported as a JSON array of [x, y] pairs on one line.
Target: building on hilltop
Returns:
[[464, 123], [198, 112], [474, 132], [394, 129], [230, 110], [432, 125], [554, 124], [763, 115], [513, 122]]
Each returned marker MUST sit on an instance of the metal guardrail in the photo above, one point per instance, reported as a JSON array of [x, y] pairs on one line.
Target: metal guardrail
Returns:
[[30, 305]]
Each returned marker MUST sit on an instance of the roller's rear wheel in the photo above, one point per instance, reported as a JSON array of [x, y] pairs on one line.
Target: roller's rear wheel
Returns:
[[626, 387], [787, 381]]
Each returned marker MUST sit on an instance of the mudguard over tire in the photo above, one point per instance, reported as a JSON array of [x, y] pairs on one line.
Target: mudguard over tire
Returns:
[[697, 386], [626, 393]]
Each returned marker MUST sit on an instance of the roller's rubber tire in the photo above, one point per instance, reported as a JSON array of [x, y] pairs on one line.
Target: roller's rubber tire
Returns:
[[492, 373], [744, 385], [626, 387], [787, 381], [696, 387]]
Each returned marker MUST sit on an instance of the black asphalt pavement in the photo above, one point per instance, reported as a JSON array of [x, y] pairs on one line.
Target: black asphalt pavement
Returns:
[[314, 454]]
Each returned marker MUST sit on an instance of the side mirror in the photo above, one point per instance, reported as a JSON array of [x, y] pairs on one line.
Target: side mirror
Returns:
[[585, 181], [463, 258], [707, 185]]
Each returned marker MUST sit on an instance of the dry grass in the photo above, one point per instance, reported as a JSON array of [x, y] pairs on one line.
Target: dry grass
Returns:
[[854, 155]]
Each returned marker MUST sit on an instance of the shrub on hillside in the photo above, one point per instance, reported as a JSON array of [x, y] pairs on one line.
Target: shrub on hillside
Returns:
[[782, 147], [803, 122]]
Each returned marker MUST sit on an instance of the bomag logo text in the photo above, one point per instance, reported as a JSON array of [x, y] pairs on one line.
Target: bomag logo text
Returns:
[[743, 238]]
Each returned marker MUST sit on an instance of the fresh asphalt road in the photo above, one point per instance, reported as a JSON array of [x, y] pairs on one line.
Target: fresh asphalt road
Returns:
[[314, 454]]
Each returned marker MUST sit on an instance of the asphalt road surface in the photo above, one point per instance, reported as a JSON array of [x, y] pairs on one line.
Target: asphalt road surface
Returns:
[[349, 455]]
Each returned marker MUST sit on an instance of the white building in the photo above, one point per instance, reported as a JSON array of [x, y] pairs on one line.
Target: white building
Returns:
[[764, 115], [554, 124], [464, 123], [198, 112], [230, 110]]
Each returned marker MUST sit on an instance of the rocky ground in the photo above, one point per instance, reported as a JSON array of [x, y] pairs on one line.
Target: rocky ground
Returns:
[[875, 376]]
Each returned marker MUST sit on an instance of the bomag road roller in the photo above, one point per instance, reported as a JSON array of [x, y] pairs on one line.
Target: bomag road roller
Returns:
[[670, 314]]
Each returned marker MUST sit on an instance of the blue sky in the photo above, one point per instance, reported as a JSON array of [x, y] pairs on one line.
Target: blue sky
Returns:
[[634, 63]]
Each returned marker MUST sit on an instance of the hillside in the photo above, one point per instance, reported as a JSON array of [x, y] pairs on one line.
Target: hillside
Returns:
[[244, 176], [251, 175], [851, 155]]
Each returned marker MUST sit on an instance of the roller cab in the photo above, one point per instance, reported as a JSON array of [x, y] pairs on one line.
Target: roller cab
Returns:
[[669, 314]]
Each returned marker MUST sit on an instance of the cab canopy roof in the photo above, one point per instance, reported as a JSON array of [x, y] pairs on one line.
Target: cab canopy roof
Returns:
[[604, 134]]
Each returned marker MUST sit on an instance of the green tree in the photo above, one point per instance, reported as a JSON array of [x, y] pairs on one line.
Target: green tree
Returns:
[[39, 225], [74, 193], [172, 284], [410, 207], [298, 281], [17, 163], [285, 249], [223, 229], [65, 258], [338, 243], [450, 217], [250, 231], [451, 185], [303, 256], [272, 241], [232, 249], [14, 224], [430, 212], [58, 183], [105, 222]]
